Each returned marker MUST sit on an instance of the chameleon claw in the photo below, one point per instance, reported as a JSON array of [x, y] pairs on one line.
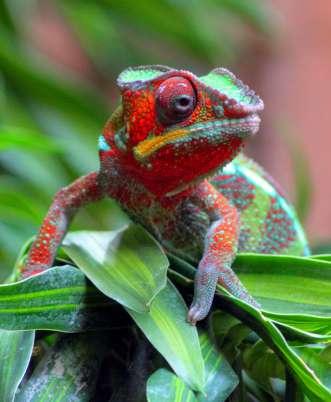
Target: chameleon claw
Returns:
[[196, 313]]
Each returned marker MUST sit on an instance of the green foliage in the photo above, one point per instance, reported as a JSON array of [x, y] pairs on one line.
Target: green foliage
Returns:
[[266, 349], [15, 353], [106, 258], [60, 299], [290, 275], [166, 328], [50, 119]]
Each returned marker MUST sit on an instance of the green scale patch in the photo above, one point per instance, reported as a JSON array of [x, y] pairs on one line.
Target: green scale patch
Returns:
[[225, 84], [144, 73]]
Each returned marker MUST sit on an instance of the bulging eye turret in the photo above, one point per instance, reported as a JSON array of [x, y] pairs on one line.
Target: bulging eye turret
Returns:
[[175, 100]]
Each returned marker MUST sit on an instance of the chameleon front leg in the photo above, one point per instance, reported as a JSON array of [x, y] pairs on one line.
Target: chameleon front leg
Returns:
[[54, 227], [220, 249]]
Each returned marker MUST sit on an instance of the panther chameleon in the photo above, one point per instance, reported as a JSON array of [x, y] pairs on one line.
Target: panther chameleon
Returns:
[[170, 156]]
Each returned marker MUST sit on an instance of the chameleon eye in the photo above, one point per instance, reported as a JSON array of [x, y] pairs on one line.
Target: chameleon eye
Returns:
[[175, 100]]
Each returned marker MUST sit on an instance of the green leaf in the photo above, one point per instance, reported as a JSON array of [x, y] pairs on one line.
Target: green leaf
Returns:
[[308, 328], [15, 353], [46, 86], [271, 335], [172, 23], [318, 360], [268, 331], [164, 386], [261, 364], [59, 299], [221, 380], [319, 327], [68, 372], [323, 257], [287, 284], [126, 264], [19, 137], [167, 329], [41, 171]]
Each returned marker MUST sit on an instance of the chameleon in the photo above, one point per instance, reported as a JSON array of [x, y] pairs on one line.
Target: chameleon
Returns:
[[171, 156]]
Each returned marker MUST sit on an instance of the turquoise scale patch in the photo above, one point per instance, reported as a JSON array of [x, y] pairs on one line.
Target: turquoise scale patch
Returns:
[[102, 144], [226, 85], [141, 74]]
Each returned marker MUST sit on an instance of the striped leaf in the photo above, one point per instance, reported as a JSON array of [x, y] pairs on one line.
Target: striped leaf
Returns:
[[287, 284], [267, 329], [319, 360], [60, 298], [12, 137], [271, 335], [315, 326], [283, 284], [126, 264], [15, 353], [164, 386], [166, 328], [68, 371], [221, 380]]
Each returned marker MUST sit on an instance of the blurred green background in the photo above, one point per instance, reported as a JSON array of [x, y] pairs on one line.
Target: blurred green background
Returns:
[[58, 64]]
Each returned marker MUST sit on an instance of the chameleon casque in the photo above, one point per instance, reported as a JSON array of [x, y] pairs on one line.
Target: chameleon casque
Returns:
[[170, 155]]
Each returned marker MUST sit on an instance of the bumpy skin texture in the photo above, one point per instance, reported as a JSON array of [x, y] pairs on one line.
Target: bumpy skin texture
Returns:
[[172, 132]]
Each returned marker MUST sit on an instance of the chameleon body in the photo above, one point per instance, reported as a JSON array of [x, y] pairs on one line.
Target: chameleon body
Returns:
[[170, 155]]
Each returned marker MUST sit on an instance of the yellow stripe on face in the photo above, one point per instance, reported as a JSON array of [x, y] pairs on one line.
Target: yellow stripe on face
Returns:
[[147, 147]]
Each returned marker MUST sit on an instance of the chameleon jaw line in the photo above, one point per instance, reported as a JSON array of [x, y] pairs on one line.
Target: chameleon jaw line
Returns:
[[238, 127], [147, 147]]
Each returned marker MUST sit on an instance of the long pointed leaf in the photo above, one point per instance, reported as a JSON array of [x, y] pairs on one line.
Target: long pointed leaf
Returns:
[[126, 264], [287, 284], [15, 353], [58, 299], [166, 328], [268, 331], [164, 386], [12, 137], [221, 380]]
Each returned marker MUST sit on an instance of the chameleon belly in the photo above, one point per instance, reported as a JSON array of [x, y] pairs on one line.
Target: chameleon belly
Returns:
[[269, 223]]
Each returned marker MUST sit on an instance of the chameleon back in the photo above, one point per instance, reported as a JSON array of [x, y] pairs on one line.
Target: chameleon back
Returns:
[[268, 221]]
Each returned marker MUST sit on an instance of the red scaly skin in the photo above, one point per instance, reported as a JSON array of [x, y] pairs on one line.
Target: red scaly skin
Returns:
[[172, 131]]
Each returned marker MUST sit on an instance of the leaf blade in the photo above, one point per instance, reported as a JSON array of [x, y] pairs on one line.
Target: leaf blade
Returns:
[[125, 264], [166, 328], [164, 386], [287, 284], [59, 299], [221, 380], [15, 353]]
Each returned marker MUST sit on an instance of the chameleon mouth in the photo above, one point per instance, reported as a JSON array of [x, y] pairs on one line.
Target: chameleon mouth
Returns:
[[214, 132]]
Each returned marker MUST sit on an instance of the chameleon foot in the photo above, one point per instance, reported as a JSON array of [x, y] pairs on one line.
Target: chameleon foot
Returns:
[[204, 290], [196, 313]]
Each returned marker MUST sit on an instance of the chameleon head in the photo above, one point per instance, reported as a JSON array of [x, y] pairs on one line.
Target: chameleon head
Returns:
[[179, 128]]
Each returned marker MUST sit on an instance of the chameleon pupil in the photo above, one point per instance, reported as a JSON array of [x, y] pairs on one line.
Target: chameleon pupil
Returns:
[[183, 103]]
